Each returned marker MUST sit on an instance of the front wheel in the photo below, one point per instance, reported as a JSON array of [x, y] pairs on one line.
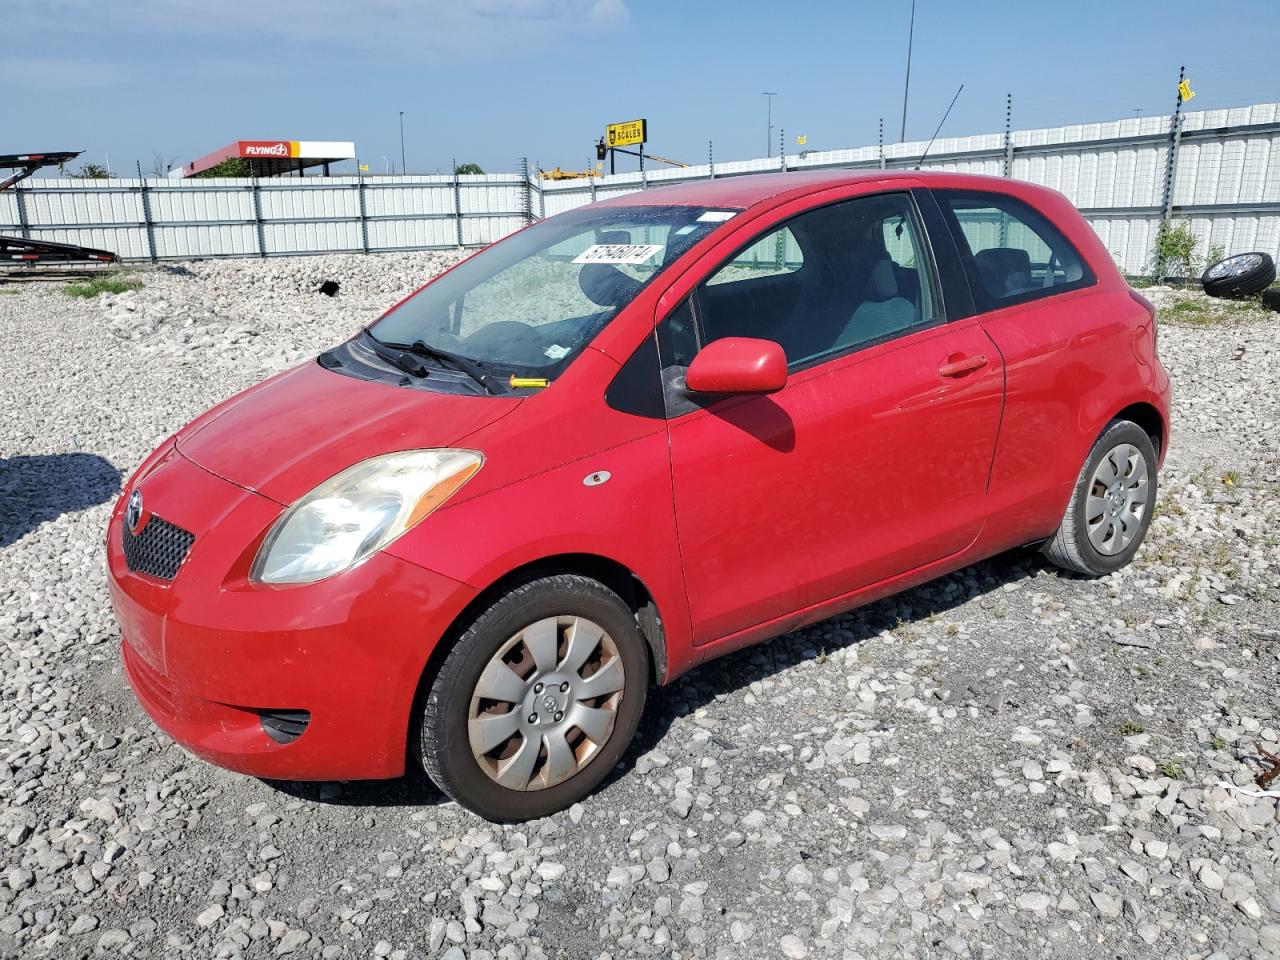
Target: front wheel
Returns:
[[537, 701], [1111, 505]]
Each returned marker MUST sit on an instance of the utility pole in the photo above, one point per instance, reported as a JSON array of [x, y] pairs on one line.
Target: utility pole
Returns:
[[403, 171], [906, 87], [768, 139]]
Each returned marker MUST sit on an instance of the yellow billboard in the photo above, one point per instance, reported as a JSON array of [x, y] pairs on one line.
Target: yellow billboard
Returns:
[[626, 133]]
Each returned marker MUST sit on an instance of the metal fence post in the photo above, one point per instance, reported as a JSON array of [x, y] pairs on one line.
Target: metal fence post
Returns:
[[882, 143], [782, 148], [146, 214], [1171, 168], [18, 197], [257, 214], [526, 191], [457, 202], [711, 161], [364, 210], [1008, 136], [591, 180]]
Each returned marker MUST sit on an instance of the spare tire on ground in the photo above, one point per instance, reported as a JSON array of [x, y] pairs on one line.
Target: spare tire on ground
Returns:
[[1271, 298], [1240, 276]]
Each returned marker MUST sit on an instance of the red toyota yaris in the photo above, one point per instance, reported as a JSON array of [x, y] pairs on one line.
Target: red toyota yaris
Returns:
[[621, 442]]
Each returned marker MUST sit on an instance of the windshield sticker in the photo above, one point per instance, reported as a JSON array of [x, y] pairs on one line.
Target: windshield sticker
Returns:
[[631, 253], [556, 352], [717, 216]]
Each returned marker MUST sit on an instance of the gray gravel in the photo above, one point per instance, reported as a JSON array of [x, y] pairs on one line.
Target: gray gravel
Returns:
[[1008, 762]]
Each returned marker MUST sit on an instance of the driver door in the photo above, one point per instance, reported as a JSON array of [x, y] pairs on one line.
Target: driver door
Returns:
[[871, 461]]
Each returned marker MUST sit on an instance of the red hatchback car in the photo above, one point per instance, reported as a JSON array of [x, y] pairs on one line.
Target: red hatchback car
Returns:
[[619, 443]]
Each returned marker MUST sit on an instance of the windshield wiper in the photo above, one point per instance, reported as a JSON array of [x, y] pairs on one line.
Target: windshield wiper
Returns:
[[398, 357], [472, 368]]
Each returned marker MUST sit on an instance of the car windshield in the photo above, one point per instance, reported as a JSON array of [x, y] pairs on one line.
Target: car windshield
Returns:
[[528, 305]]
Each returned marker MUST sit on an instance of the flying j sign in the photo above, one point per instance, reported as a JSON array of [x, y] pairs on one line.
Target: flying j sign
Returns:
[[626, 133], [269, 148]]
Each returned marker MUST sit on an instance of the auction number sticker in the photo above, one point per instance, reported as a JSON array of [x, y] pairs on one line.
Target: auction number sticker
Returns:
[[618, 253]]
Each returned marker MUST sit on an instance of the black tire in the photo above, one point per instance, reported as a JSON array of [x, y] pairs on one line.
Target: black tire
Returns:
[[1239, 276], [443, 743], [1271, 298], [1070, 547]]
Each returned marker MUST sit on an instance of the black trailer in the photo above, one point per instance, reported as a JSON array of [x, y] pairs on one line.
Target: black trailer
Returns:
[[20, 251]]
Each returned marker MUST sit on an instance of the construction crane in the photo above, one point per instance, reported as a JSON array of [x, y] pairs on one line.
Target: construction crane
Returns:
[[654, 156], [558, 174]]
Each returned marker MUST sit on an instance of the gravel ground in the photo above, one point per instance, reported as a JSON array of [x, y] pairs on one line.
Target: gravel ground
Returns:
[[1007, 762]]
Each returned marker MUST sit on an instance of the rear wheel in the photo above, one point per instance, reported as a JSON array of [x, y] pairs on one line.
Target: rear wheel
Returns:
[[537, 701], [1110, 508]]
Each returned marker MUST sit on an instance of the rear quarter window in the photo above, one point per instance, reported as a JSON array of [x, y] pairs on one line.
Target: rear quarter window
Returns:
[[1012, 253]]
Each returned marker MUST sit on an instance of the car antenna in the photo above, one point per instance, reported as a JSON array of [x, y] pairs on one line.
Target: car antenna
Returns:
[[940, 123]]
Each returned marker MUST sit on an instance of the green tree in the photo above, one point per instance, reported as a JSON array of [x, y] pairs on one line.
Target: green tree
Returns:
[[231, 167], [1175, 253], [466, 169], [95, 171]]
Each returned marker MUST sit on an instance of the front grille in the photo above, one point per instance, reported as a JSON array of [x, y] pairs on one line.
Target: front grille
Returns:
[[158, 550]]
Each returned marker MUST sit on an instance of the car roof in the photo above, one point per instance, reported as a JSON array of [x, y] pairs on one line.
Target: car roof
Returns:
[[747, 191]]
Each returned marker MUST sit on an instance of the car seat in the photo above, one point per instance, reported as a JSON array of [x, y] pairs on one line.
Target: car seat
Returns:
[[605, 285], [1004, 271], [884, 311]]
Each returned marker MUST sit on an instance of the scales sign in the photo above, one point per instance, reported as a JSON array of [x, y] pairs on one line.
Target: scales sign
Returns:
[[626, 133]]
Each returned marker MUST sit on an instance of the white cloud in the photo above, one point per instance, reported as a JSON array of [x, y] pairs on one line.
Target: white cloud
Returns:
[[609, 13], [419, 30]]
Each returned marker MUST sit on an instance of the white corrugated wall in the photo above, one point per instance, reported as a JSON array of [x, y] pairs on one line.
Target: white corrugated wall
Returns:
[[1227, 187]]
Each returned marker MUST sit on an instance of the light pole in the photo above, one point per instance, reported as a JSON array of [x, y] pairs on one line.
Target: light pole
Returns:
[[386, 163], [403, 171], [906, 87], [768, 138]]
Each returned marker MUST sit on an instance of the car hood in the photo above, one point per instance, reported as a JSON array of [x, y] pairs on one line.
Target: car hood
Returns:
[[288, 434]]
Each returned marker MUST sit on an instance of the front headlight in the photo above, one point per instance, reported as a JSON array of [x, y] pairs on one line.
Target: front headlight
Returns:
[[358, 512]]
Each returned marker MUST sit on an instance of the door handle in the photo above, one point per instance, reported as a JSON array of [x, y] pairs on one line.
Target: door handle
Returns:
[[957, 365]]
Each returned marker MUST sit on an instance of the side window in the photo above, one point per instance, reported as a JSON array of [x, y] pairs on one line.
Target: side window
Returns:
[[842, 276], [1015, 253], [773, 254]]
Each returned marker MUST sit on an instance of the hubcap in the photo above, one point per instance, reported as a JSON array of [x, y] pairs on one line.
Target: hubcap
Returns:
[[1237, 264], [1117, 499], [546, 703]]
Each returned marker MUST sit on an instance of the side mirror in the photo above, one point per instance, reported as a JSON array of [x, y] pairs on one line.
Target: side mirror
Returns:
[[738, 365]]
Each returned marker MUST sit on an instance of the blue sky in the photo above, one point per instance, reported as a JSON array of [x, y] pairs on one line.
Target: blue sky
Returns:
[[492, 80]]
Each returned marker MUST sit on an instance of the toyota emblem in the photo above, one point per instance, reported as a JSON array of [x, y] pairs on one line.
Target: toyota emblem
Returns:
[[133, 512]]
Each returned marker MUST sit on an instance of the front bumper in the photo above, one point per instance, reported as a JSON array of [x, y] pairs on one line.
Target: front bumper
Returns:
[[207, 651]]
